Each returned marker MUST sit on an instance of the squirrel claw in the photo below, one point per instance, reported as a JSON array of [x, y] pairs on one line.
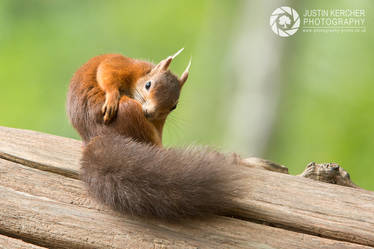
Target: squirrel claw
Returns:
[[109, 109]]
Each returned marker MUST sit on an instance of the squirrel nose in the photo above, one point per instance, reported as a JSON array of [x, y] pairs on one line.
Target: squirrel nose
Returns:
[[147, 114]]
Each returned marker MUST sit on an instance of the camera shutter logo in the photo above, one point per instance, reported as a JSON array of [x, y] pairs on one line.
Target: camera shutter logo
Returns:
[[284, 21]]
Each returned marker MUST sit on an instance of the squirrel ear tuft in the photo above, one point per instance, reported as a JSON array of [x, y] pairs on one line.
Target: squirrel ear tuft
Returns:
[[184, 76], [177, 53], [164, 64]]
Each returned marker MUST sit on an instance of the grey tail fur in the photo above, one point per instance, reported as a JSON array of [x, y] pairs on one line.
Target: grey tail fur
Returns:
[[144, 180]]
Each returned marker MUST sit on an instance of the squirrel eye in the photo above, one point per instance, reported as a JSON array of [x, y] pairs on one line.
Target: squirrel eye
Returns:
[[173, 107], [148, 85]]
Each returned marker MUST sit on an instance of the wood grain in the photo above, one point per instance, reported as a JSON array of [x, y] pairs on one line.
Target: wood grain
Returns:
[[290, 202], [54, 211]]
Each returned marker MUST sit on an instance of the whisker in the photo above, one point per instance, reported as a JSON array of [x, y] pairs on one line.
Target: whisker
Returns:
[[173, 131], [139, 95], [175, 125]]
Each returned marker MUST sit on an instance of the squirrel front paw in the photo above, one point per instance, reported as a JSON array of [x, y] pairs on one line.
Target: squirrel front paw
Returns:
[[110, 107]]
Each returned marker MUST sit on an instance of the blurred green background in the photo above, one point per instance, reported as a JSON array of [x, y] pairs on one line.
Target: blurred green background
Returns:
[[324, 112]]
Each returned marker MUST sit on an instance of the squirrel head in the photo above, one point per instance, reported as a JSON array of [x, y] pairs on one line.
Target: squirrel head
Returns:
[[158, 91]]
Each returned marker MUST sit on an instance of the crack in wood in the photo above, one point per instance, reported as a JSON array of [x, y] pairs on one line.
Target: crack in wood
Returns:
[[39, 166]]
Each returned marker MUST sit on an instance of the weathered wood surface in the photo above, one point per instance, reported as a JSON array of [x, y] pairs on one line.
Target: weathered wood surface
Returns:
[[42, 203], [55, 210]]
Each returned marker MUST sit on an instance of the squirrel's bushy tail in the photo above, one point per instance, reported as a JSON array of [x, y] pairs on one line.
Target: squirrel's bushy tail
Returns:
[[145, 180]]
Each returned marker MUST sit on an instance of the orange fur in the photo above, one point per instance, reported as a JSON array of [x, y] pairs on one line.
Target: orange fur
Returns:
[[113, 83], [115, 74], [88, 92]]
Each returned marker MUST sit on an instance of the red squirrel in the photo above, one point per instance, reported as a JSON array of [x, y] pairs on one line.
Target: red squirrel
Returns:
[[119, 106]]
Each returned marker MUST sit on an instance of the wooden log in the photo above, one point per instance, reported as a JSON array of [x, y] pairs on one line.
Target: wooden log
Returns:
[[54, 211], [303, 206]]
